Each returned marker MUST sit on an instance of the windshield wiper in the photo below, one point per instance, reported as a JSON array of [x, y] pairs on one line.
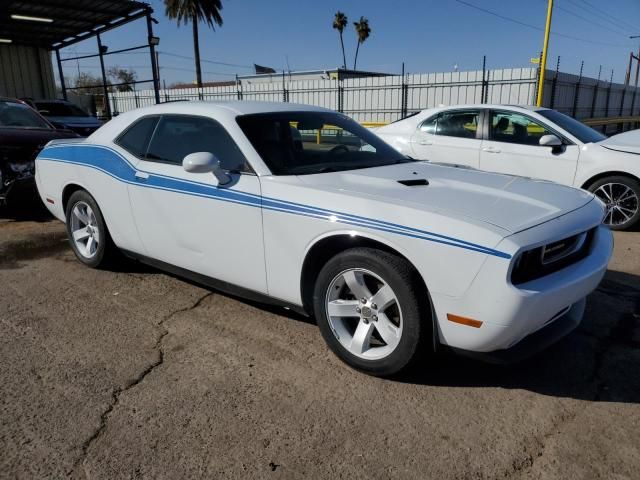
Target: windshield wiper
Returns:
[[325, 170]]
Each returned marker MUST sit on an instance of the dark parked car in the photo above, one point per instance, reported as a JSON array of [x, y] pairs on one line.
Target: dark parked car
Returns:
[[23, 133], [66, 115]]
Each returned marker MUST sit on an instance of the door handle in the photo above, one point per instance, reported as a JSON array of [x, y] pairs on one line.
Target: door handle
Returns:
[[491, 150], [425, 142], [141, 175]]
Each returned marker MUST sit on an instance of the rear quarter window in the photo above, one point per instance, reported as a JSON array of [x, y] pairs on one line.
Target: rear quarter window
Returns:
[[135, 139]]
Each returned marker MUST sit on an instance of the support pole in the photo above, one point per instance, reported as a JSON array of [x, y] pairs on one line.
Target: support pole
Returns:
[[285, 94], [637, 67], [158, 69], [545, 47], [484, 66], [152, 53], [105, 89], [635, 89], [595, 94], [554, 84], [404, 89], [606, 111], [238, 88], [576, 94], [61, 75]]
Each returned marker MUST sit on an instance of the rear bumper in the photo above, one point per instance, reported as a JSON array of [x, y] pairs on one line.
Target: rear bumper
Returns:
[[534, 343]]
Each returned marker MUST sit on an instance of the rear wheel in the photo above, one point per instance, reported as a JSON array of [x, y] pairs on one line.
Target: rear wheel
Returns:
[[621, 196], [368, 308], [87, 231]]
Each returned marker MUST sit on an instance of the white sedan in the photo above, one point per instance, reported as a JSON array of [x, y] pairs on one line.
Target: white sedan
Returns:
[[303, 207], [532, 142]]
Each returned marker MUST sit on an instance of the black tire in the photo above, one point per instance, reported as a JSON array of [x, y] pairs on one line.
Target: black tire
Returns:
[[405, 283], [632, 204], [106, 251]]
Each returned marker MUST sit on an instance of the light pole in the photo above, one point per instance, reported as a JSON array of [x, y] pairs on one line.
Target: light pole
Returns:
[[545, 47], [637, 64]]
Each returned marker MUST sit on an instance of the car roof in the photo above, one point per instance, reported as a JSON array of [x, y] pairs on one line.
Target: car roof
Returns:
[[531, 108], [238, 107], [228, 110]]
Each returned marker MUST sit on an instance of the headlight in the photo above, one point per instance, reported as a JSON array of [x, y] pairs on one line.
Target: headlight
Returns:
[[549, 258]]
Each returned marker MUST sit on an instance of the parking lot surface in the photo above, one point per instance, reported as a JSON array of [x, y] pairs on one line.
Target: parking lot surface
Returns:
[[133, 373]]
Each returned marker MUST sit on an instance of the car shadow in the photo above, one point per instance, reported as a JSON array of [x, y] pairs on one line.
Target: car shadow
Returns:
[[599, 361], [128, 265], [25, 209]]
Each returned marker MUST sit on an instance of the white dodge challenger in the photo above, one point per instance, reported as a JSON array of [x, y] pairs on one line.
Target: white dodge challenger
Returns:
[[303, 207]]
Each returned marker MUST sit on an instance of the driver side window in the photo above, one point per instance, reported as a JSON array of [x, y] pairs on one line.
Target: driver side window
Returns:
[[516, 128], [176, 136]]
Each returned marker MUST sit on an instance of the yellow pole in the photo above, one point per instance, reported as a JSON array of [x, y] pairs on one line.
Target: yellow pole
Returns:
[[543, 60]]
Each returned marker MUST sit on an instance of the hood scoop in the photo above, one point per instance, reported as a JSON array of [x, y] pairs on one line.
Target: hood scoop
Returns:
[[414, 182]]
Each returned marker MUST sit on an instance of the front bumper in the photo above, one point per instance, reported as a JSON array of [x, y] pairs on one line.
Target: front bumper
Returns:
[[23, 184], [536, 342], [510, 314]]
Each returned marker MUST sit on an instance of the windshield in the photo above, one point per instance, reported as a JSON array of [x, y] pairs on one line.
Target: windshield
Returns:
[[19, 115], [59, 109], [576, 128], [301, 143]]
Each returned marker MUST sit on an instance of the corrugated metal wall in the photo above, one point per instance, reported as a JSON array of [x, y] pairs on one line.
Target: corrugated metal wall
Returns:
[[26, 72], [365, 99], [379, 99]]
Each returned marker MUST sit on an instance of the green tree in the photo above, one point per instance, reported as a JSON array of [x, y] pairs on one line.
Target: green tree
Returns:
[[122, 75], [362, 31], [195, 11], [339, 22], [87, 84]]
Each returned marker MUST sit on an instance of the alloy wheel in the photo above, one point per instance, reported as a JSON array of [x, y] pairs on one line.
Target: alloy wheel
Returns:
[[85, 230], [621, 202], [364, 314]]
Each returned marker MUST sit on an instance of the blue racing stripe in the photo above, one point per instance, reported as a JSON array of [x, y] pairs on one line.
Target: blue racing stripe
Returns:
[[112, 163]]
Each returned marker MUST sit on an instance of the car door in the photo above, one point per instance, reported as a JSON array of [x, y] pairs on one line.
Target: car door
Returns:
[[451, 136], [513, 147], [190, 220]]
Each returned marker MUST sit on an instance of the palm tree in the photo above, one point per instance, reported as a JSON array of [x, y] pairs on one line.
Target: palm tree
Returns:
[[195, 11], [363, 31], [339, 22]]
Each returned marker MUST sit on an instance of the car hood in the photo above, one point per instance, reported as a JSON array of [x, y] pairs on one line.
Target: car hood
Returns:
[[628, 142], [508, 202]]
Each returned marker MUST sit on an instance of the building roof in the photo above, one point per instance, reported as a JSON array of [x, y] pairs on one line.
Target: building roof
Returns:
[[63, 22]]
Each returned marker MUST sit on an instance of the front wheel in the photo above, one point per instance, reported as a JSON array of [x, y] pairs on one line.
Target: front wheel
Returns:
[[621, 196], [368, 307]]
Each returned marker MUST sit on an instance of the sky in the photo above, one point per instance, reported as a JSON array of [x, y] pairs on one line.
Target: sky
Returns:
[[427, 35]]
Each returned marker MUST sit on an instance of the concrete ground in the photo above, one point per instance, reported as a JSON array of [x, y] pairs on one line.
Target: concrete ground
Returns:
[[137, 374]]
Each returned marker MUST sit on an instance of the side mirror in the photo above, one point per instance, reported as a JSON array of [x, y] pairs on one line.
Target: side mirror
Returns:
[[205, 162], [550, 141]]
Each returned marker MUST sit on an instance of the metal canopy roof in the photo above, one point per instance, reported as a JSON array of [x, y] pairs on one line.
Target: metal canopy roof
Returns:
[[71, 21]]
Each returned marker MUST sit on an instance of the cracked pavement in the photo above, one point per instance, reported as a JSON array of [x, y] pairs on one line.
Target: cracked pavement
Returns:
[[137, 374]]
